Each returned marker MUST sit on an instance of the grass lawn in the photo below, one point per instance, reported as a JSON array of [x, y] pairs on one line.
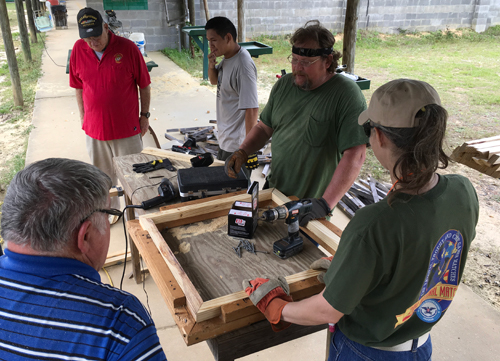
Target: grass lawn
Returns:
[[18, 117], [462, 65]]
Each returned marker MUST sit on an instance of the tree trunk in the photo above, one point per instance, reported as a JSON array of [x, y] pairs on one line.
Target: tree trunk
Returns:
[[31, 21], [207, 14], [350, 30], [192, 12], [11, 55], [23, 30], [241, 21]]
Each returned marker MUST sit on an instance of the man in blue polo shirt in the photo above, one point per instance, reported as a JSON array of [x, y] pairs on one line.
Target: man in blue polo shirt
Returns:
[[53, 303]]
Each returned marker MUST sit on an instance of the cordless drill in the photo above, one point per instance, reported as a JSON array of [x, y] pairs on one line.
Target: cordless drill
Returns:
[[293, 244]]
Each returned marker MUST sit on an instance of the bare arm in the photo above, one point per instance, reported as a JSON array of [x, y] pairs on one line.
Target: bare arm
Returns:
[[145, 94], [345, 174], [251, 115], [79, 101], [311, 311], [257, 137], [212, 72]]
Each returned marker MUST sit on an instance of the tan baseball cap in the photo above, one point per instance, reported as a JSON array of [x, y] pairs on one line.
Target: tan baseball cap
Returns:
[[396, 103]]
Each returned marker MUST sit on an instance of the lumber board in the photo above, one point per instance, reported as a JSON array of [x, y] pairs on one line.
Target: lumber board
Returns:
[[298, 290], [257, 337], [144, 186], [168, 286], [163, 153], [193, 298], [212, 308], [482, 140], [117, 259], [203, 210]]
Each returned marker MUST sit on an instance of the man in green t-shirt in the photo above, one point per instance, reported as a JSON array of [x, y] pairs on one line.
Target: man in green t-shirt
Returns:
[[318, 147]]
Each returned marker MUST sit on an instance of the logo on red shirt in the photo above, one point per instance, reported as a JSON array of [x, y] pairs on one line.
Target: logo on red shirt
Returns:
[[118, 58]]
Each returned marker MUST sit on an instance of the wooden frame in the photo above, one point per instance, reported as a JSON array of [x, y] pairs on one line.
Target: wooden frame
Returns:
[[325, 233]]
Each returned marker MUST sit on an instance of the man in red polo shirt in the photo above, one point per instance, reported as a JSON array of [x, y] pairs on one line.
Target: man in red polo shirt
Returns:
[[109, 73]]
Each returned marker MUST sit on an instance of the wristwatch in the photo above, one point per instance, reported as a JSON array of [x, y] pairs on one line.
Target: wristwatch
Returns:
[[145, 114]]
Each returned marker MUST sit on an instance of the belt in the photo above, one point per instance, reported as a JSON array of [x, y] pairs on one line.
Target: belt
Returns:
[[406, 346]]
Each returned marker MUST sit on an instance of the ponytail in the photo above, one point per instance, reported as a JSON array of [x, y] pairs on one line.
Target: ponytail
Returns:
[[419, 149]]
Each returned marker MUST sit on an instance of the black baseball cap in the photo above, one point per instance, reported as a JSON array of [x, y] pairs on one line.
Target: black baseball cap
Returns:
[[89, 23]]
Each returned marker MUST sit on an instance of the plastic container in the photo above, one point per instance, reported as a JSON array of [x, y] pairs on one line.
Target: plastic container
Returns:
[[138, 39]]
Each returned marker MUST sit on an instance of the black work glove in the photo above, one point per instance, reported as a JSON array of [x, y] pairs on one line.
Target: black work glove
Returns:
[[252, 162], [153, 165], [320, 209], [234, 163]]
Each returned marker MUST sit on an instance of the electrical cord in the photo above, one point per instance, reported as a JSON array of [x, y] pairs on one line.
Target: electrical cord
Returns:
[[125, 228], [144, 288], [148, 185], [109, 277], [43, 42], [126, 247]]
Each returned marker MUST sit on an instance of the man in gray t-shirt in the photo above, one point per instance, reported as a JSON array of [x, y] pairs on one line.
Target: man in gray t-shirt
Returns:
[[236, 79]]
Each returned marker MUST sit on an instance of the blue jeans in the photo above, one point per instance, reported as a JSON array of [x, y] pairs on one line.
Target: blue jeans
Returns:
[[343, 349]]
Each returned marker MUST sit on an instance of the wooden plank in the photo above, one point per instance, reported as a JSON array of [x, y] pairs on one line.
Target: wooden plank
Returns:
[[299, 290], [193, 298], [487, 145], [168, 286], [478, 141], [235, 345], [279, 198], [326, 233], [117, 259], [203, 210], [163, 153], [212, 308]]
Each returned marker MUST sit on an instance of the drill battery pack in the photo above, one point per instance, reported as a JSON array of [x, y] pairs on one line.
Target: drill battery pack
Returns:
[[202, 182], [287, 247]]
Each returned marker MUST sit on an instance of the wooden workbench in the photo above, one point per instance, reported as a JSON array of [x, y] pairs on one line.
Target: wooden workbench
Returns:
[[139, 187], [230, 323]]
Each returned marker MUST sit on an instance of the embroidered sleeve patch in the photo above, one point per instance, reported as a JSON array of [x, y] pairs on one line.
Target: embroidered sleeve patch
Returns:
[[441, 280]]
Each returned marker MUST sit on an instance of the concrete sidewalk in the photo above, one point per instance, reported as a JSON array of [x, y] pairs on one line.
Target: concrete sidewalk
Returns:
[[470, 330]]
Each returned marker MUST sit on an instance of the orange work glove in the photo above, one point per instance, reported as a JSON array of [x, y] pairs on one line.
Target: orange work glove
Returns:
[[270, 296], [235, 162], [322, 263]]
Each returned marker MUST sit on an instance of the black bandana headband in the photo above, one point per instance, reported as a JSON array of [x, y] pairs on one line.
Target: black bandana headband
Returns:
[[311, 52]]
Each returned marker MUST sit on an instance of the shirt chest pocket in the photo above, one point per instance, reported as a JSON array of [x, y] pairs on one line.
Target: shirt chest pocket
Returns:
[[317, 132], [117, 74]]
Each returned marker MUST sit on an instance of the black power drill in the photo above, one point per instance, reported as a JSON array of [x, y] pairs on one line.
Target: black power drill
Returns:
[[293, 244], [166, 192]]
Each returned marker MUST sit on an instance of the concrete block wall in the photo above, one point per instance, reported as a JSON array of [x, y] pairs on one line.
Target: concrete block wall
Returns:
[[284, 16], [152, 22]]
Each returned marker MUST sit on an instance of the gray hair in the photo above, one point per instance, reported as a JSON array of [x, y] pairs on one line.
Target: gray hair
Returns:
[[47, 201]]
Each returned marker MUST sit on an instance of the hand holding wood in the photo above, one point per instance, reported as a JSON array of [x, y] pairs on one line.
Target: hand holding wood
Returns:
[[270, 296], [320, 209], [322, 263]]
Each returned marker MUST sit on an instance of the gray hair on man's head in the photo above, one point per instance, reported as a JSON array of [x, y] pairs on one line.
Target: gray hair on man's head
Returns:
[[47, 201]]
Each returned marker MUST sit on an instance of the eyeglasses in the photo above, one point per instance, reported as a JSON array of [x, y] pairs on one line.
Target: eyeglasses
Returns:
[[112, 211], [367, 127], [304, 63]]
